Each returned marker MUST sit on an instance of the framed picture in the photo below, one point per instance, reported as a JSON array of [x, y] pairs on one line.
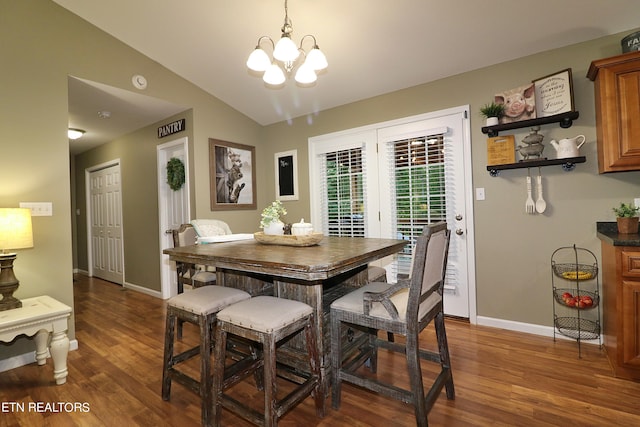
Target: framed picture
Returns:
[[232, 175], [286, 167], [519, 104], [554, 93]]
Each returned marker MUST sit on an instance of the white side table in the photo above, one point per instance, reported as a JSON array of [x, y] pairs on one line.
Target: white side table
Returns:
[[41, 316]]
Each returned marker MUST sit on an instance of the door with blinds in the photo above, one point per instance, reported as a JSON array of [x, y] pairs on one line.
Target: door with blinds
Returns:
[[392, 179]]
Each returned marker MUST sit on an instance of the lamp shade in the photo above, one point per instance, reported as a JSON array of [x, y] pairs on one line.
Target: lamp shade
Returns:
[[258, 60], [286, 50], [316, 59], [274, 75], [305, 74], [15, 228]]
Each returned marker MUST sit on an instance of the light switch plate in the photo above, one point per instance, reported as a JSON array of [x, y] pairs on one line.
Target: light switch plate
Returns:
[[39, 208], [480, 193]]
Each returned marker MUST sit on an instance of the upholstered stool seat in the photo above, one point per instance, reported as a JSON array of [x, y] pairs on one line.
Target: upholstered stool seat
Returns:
[[198, 306], [265, 320]]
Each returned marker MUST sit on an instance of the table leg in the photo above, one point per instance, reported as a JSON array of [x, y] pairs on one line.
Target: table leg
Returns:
[[42, 341], [59, 351]]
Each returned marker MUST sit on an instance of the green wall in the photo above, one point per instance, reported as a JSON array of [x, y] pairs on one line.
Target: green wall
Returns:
[[43, 44], [513, 249]]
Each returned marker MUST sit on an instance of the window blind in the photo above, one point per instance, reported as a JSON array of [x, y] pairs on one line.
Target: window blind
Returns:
[[343, 181], [420, 185]]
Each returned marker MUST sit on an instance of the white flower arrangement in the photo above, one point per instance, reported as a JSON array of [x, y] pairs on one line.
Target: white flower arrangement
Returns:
[[272, 213]]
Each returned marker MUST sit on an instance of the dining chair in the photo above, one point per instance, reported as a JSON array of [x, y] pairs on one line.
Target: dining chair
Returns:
[[268, 321], [190, 274], [404, 308], [197, 306]]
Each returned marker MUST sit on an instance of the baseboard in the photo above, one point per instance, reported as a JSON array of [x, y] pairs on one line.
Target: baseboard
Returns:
[[142, 289], [510, 325], [28, 358]]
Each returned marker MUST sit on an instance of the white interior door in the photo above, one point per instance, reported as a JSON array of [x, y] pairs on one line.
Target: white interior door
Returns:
[[105, 220], [174, 208], [357, 174]]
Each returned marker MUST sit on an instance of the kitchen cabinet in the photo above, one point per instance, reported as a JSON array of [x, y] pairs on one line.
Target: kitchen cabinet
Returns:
[[621, 308], [617, 97]]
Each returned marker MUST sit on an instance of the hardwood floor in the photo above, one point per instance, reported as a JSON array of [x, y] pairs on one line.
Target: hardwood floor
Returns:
[[502, 378]]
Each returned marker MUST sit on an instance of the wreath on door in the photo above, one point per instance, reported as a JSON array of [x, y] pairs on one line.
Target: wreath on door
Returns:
[[175, 173]]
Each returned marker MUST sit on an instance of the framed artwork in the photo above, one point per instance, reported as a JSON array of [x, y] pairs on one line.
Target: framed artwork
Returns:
[[519, 104], [554, 93], [232, 175], [286, 167]]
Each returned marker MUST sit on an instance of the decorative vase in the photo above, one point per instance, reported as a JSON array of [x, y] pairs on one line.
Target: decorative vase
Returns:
[[628, 225], [492, 121], [275, 228]]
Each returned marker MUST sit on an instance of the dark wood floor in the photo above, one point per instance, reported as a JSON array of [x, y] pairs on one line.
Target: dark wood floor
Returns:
[[502, 378]]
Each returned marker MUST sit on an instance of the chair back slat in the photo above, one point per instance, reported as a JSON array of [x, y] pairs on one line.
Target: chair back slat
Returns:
[[429, 268]]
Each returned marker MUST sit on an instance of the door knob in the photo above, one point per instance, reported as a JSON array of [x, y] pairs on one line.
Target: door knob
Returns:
[[459, 231], [168, 231], [458, 217]]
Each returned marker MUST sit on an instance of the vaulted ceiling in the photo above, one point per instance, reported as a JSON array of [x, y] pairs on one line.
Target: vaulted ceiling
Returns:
[[372, 46]]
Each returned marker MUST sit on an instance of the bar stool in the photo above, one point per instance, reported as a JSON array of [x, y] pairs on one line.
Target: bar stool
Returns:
[[266, 320], [198, 306]]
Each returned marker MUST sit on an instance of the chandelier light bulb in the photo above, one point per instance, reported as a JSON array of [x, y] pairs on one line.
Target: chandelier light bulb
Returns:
[[286, 50], [305, 74], [316, 59], [258, 60], [274, 75]]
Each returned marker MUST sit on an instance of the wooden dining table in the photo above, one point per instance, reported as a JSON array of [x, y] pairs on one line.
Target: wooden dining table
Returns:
[[316, 275]]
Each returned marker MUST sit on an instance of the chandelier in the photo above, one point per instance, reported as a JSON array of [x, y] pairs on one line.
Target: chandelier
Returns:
[[286, 55]]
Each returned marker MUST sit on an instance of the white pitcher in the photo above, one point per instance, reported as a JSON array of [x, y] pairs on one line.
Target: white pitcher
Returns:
[[568, 147]]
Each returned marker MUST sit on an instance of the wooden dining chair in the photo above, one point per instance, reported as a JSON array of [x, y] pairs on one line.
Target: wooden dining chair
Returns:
[[404, 308], [190, 274]]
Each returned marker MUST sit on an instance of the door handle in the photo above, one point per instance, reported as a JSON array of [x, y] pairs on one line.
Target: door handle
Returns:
[[458, 217], [459, 231], [168, 231]]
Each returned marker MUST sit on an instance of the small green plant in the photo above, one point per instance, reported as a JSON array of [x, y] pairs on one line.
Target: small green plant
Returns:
[[492, 110], [626, 210], [272, 213]]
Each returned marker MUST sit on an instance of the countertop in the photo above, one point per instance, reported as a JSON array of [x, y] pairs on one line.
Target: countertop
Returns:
[[608, 233]]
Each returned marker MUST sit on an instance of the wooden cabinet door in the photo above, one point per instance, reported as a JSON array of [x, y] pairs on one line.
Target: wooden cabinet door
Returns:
[[630, 302], [617, 86]]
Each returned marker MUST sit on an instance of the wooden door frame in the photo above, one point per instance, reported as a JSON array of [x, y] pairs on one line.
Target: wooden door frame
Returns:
[[161, 150]]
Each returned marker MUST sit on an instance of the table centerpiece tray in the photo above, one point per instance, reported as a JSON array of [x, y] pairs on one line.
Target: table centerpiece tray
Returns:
[[288, 240]]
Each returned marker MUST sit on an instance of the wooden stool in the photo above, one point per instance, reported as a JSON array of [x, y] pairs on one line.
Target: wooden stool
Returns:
[[199, 307], [266, 320]]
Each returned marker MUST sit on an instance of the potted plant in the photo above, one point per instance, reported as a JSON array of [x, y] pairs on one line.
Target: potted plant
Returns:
[[627, 217], [270, 222], [492, 112]]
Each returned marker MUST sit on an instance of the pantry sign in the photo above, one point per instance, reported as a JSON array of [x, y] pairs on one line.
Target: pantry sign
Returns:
[[171, 128]]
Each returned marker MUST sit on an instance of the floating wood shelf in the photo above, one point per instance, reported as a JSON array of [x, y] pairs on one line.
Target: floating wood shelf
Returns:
[[568, 164], [564, 119]]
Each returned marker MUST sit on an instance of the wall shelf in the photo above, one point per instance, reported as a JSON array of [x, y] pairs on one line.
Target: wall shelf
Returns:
[[568, 164], [564, 119]]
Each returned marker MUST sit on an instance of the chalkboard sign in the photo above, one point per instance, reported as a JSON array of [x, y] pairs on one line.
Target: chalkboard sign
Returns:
[[286, 175]]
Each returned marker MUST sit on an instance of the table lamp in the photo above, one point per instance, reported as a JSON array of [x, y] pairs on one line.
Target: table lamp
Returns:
[[15, 233]]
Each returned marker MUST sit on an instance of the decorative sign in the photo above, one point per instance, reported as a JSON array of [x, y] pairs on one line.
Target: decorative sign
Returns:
[[554, 94], [501, 150], [171, 128]]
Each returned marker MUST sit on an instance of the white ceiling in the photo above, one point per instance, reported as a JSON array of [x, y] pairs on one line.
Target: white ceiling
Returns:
[[373, 46]]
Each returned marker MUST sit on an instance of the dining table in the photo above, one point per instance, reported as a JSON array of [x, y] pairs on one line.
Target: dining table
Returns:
[[316, 275]]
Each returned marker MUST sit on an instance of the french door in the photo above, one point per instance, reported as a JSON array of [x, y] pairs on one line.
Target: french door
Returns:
[[390, 180]]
